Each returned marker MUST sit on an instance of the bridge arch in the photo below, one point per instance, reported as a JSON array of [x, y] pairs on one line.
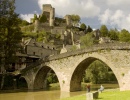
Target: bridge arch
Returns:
[[40, 81], [67, 67], [22, 82], [81, 66]]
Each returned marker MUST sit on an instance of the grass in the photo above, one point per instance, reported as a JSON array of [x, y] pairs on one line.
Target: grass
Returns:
[[105, 95]]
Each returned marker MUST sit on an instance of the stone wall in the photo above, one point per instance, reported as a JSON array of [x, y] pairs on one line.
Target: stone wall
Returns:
[[40, 51], [56, 30]]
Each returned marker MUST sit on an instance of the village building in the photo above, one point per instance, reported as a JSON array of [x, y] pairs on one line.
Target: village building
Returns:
[[104, 40], [32, 52]]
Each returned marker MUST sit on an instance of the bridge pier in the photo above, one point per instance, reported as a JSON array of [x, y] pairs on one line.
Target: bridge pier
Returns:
[[125, 80], [29, 80]]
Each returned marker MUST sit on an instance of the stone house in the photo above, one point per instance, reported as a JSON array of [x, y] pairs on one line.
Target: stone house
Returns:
[[32, 51], [104, 40]]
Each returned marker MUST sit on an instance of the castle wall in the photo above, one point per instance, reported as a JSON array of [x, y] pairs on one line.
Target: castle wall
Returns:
[[56, 30]]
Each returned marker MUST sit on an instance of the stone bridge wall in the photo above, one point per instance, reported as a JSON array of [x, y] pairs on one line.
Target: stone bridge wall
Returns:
[[69, 67]]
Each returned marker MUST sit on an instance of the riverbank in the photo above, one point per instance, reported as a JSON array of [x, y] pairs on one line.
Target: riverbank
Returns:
[[110, 94]]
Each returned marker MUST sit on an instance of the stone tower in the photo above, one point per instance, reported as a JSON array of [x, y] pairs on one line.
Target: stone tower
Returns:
[[68, 19], [49, 11], [36, 24]]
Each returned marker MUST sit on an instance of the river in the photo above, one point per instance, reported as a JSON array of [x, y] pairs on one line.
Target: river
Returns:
[[51, 94]]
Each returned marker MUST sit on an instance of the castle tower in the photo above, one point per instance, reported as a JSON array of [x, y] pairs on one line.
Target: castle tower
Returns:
[[68, 19], [36, 28], [52, 16], [47, 8]]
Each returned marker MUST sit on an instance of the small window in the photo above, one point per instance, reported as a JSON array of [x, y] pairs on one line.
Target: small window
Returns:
[[33, 53], [42, 46]]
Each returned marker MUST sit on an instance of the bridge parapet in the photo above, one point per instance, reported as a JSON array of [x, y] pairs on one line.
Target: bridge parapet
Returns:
[[94, 48]]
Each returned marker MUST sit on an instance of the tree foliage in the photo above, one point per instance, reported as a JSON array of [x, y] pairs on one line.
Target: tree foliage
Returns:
[[35, 18], [97, 72], [22, 22], [87, 40], [113, 34], [83, 26], [10, 33], [124, 36], [43, 18], [28, 28], [52, 78], [104, 31], [89, 29], [75, 19]]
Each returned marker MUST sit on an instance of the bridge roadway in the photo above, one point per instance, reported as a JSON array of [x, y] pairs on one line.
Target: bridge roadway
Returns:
[[69, 67]]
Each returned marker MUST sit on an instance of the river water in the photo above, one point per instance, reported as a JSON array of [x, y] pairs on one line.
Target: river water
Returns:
[[48, 95]]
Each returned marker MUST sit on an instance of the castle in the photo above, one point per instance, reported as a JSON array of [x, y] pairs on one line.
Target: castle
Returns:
[[49, 12], [55, 25]]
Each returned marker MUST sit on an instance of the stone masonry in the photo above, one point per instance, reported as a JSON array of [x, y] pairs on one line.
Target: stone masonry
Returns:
[[69, 67]]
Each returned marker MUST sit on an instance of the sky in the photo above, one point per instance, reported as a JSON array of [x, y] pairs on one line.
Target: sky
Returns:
[[112, 13]]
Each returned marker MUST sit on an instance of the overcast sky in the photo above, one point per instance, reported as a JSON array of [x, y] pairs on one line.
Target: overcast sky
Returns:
[[112, 13]]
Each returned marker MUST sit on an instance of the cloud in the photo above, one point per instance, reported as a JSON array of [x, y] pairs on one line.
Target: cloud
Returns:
[[104, 18], [118, 2], [26, 17], [92, 12], [116, 18], [84, 8]]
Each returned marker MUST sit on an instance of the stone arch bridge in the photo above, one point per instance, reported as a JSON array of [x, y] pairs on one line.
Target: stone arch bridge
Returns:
[[69, 67]]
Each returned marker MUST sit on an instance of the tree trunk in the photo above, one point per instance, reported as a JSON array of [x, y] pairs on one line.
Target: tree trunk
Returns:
[[3, 77], [2, 81]]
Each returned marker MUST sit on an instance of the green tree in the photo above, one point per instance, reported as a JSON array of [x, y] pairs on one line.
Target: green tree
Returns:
[[83, 26], [104, 31], [97, 72], [41, 36], [124, 36], [87, 40], [52, 78], [75, 19], [89, 29], [22, 22], [35, 18], [113, 34], [10, 35], [43, 18], [28, 28]]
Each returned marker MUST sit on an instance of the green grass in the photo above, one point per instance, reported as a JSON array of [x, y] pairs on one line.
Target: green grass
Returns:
[[106, 95]]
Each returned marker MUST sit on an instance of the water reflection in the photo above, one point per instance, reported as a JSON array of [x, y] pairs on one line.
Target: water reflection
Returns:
[[48, 95], [42, 95]]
